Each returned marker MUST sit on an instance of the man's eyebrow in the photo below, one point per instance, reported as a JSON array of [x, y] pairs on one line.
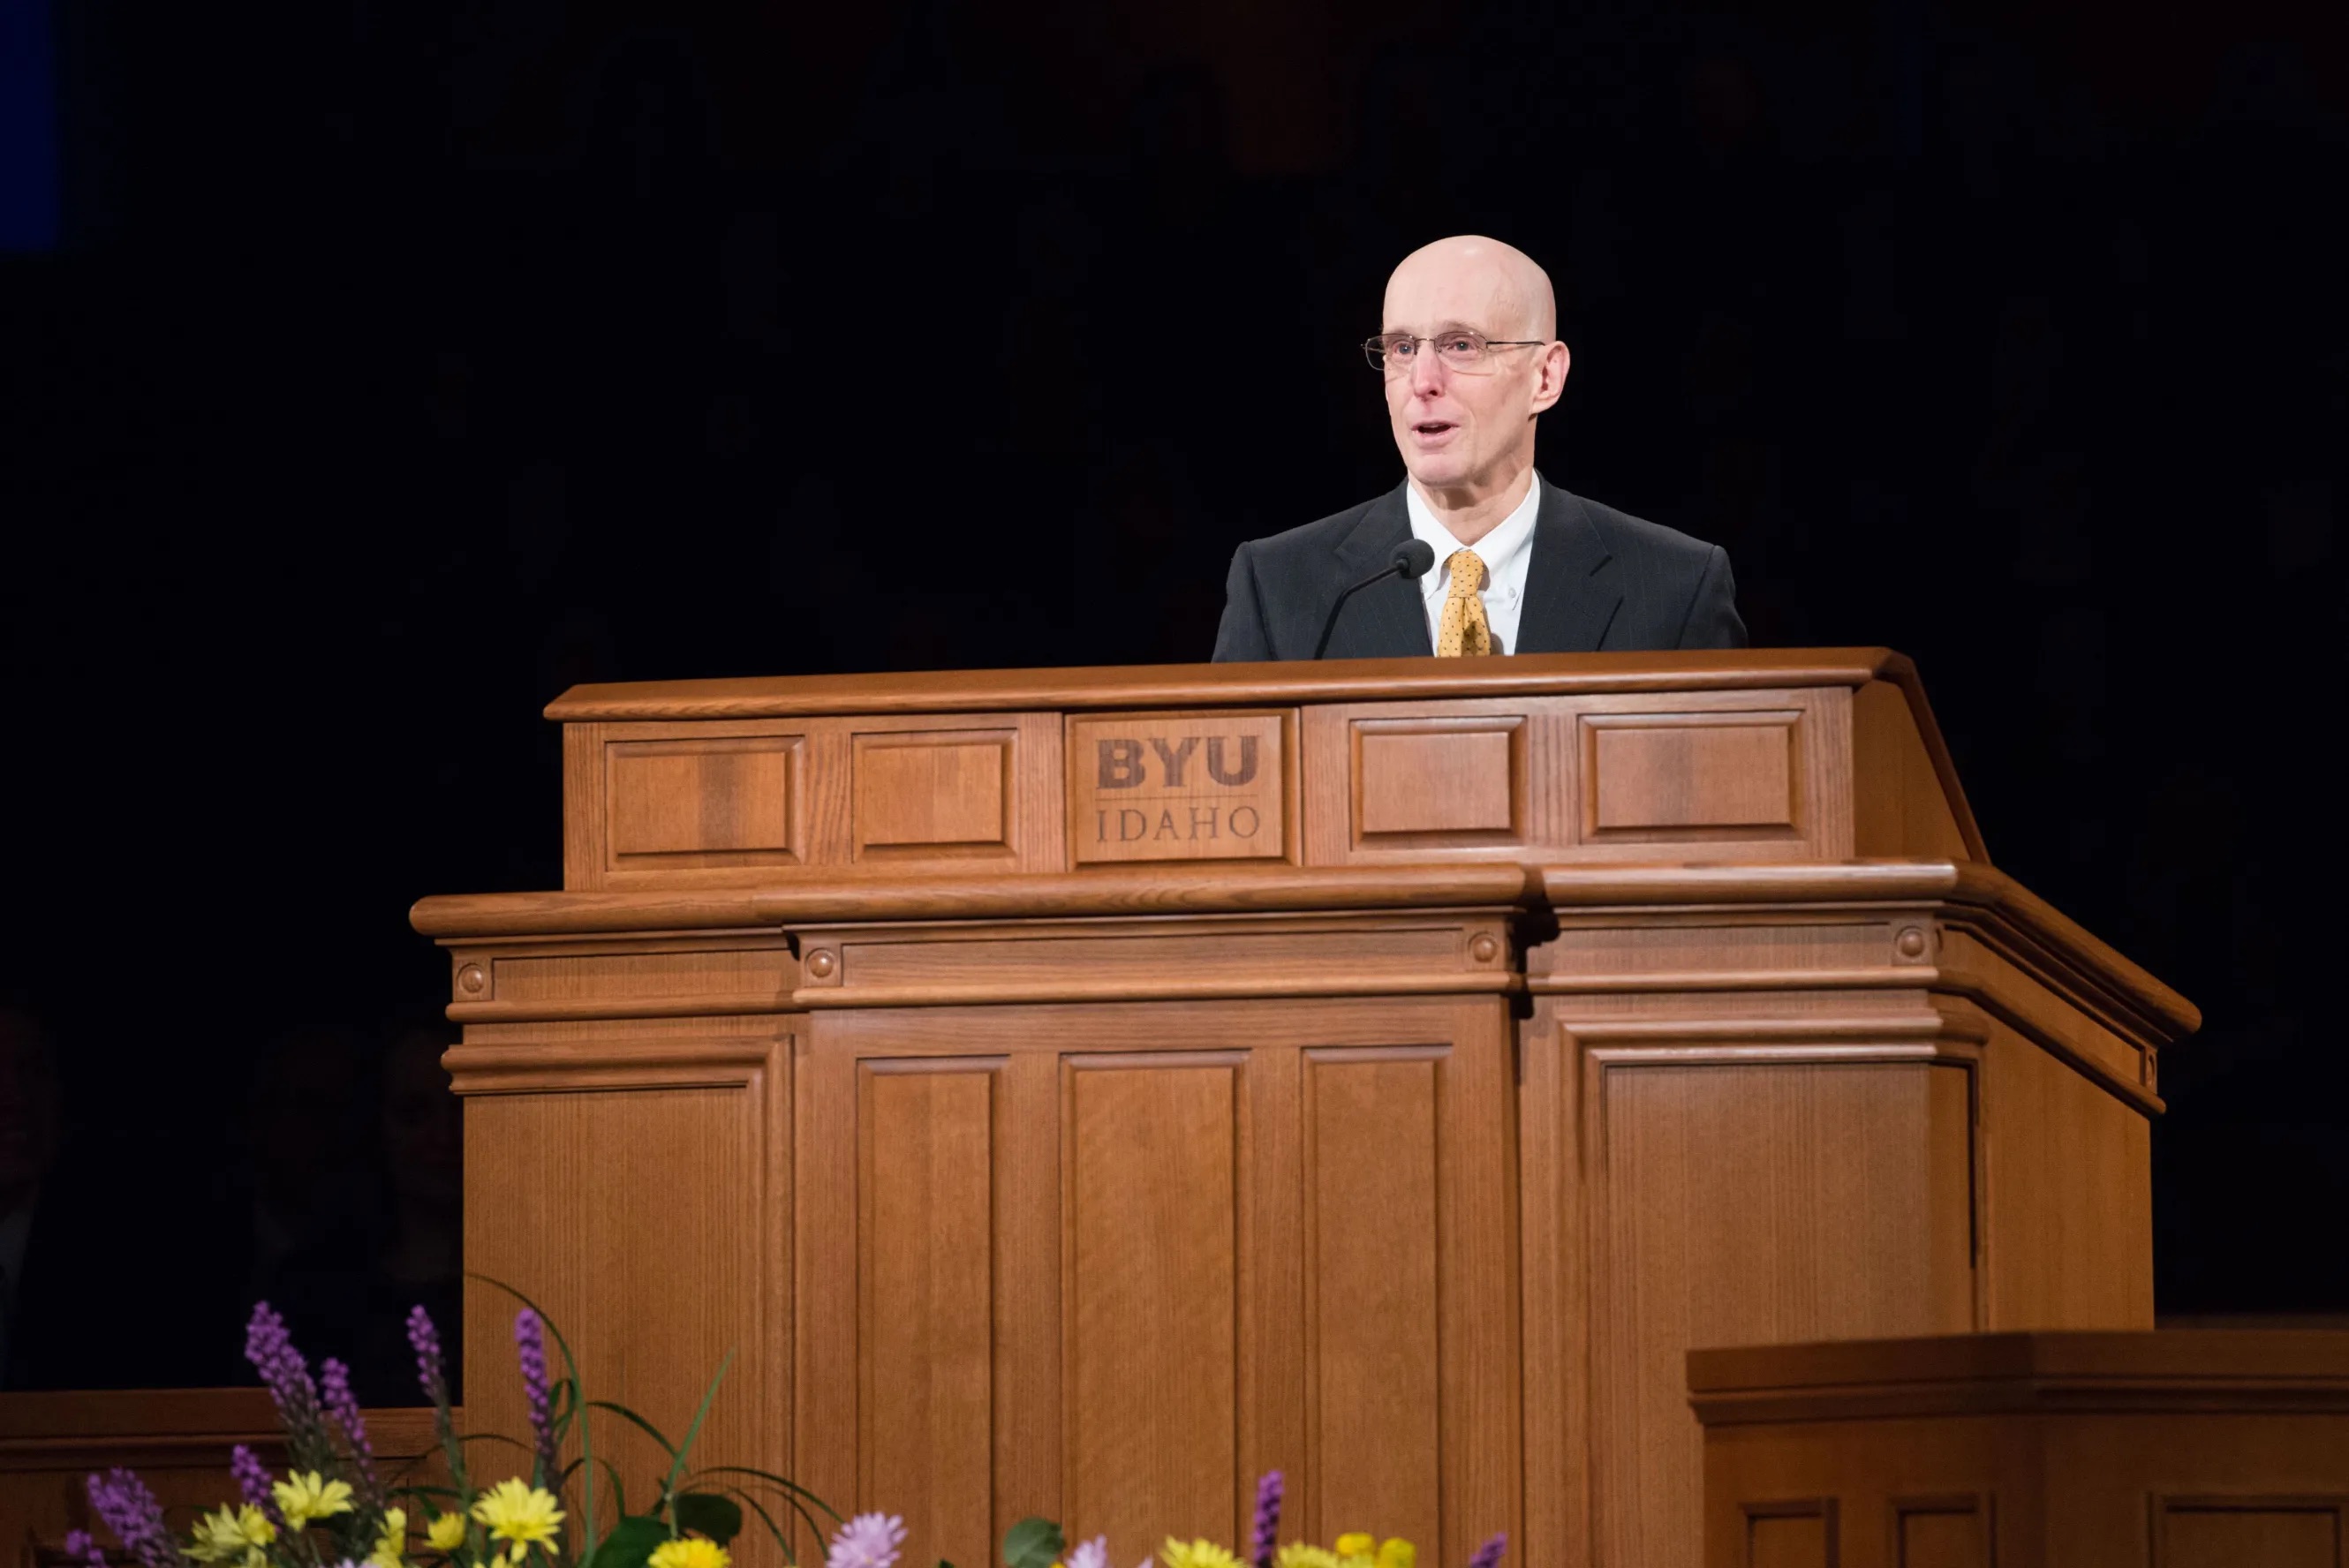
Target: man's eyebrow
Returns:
[[1442, 327]]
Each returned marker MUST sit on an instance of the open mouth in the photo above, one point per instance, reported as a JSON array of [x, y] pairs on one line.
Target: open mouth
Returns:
[[1431, 426]]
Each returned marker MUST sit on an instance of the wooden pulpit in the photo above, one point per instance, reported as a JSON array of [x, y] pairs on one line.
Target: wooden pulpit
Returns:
[[1076, 1092]]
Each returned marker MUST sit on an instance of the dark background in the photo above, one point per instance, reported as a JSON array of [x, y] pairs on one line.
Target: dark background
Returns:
[[399, 365]]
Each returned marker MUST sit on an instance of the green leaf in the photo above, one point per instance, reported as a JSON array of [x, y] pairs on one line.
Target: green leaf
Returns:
[[632, 1540], [619, 1492], [1033, 1543], [677, 1465], [771, 1478], [783, 1542], [625, 1414], [719, 1518]]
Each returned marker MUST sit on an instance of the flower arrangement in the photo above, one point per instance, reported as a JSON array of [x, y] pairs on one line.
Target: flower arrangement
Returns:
[[1039, 1544], [336, 1508]]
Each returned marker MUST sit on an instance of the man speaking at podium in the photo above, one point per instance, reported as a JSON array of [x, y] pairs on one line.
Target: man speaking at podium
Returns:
[[1474, 552]]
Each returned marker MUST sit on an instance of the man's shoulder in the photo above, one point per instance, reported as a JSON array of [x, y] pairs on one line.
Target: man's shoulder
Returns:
[[1314, 540], [1636, 538]]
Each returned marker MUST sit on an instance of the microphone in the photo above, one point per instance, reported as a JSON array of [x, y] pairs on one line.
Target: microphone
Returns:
[[1412, 559]]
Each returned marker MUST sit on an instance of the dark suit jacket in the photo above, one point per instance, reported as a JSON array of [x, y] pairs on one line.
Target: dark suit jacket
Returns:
[[1598, 579]]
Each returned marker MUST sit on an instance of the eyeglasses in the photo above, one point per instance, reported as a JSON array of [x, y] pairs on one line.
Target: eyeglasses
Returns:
[[1460, 348]]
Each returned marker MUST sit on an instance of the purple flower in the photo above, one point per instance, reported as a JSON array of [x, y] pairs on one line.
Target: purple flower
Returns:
[[79, 1543], [529, 1339], [1489, 1554], [343, 1408], [1094, 1553], [430, 1371], [130, 1510], [1267, 1519], [286, 1375], [867, 1541], [252, 1481]]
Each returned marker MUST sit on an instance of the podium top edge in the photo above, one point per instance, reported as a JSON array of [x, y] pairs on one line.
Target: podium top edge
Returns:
[[1186, 686]]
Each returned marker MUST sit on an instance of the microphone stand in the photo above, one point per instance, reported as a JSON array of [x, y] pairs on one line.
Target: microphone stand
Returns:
[[1410, 561]]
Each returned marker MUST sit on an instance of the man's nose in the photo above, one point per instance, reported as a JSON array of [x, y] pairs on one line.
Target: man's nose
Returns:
[[1426, 371]]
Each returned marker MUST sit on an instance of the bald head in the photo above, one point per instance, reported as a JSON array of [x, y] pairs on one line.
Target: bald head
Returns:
[[1473, 281], [1464, 418]]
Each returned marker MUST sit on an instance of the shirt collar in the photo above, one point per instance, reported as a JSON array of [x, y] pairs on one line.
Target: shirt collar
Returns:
[[1501, 550]]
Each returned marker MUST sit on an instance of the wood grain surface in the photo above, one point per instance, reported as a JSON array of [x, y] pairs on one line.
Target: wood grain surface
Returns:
[[1178, 685], [1585, 1012], [2034, 1450]]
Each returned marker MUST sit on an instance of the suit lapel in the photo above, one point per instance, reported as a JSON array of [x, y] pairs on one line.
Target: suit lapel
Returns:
[[1571, 593], [1387, 620]]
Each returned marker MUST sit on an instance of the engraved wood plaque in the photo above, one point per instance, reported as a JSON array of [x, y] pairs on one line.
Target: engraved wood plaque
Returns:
[[1179, 786]]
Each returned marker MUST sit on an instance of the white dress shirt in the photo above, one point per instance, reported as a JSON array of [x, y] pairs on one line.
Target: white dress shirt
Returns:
[[1505, 551]]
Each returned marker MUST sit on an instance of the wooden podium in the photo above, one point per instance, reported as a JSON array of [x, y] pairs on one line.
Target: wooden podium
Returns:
[[1077, 1092]]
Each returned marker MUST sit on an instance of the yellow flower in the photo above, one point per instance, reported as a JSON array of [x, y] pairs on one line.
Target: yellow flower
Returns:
[[1200, 1553], [1395, 1553], [446, 1532], [392, 1541], [1356, 1543], [232, 1535], [517, 1512], [304, 1497], [1298, 1555], [689, 1552]]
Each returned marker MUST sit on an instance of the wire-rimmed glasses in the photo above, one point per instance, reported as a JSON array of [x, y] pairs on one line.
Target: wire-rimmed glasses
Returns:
[[1460, 349]]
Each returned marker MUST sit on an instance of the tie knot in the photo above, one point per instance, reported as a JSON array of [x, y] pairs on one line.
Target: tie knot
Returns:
[[1467, 570]]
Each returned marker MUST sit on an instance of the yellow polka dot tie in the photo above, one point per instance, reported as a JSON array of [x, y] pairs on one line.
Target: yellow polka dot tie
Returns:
[[1464, 629]]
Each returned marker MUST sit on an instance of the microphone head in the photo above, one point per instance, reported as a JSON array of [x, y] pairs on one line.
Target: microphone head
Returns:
[[1414, 558]]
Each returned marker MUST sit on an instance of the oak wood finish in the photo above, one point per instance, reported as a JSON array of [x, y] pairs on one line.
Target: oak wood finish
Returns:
[[2029, 1450], [178, 1440], [1545, 1017]]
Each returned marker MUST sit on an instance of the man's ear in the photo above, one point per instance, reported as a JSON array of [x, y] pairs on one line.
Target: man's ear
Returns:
[[1550, 383]]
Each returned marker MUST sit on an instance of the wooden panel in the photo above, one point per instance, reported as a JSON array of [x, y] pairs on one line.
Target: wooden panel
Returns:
[[1182, 786], [1030, 1291], [2109, 1449], [587, 822], [704, 802], [778, 803], [652, 805], [925, 1347], [597, 1204], [1152, 1282], [2068, 1196], [2236, 1533], [1370, 1120], [1555, 1383], [1728, 671], [1759, 775], [926, 794], [693, 968], [179, 1442], [1745, 1204], [1172, 1212], [1479, 1327], [1801, 1537], [1706, 775], [1372, 954], [1939, 1534], [1436, 782], [1900, 807], [1392, 783]]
